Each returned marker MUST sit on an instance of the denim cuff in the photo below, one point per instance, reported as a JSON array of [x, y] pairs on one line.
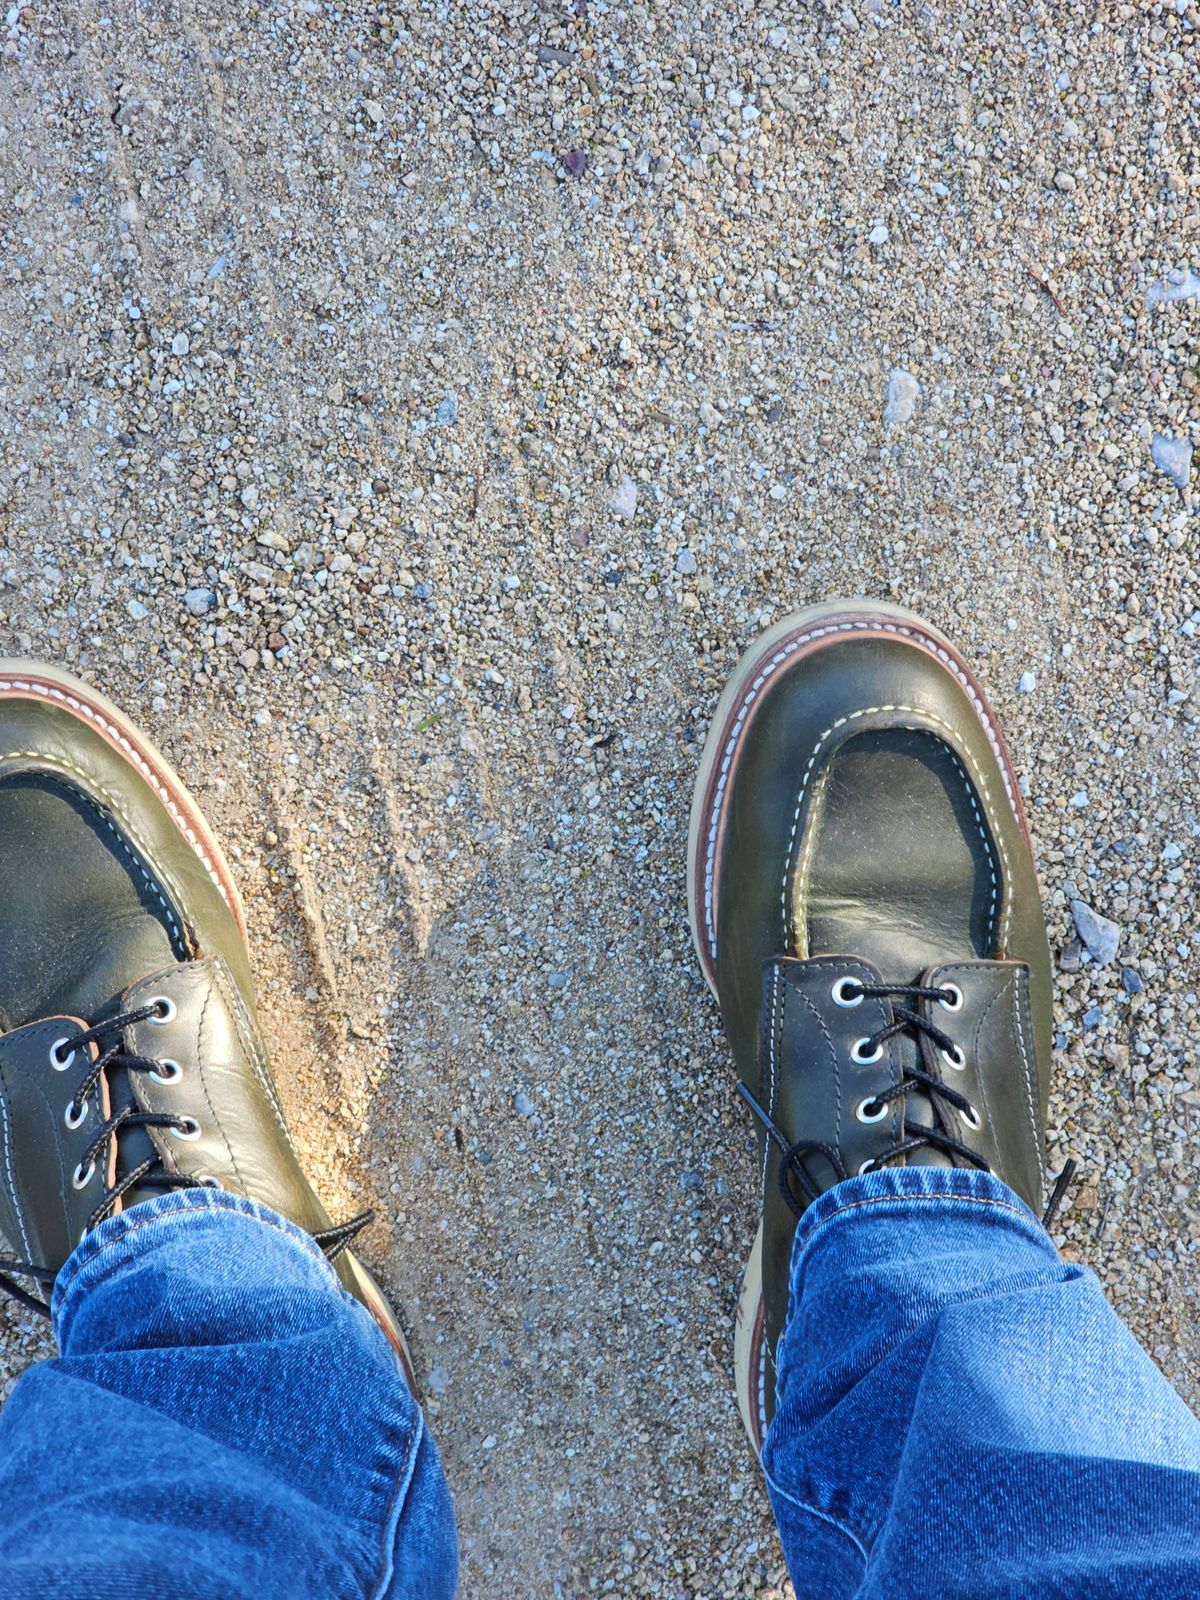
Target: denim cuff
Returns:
[[133, 1233], [896, 1191]]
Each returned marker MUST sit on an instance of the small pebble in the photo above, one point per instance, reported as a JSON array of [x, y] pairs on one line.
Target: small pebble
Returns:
[[522, 1104], [1099, 933], [624, 499], [902, 393], [685, 563], [1130, 981], [180, 344], [1172, 456], [199, 601], [447, 411], [1028, 682], [1071, 957]]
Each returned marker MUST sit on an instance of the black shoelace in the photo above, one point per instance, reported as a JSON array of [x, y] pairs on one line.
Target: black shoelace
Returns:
[[148, 1174], [795, 1153]]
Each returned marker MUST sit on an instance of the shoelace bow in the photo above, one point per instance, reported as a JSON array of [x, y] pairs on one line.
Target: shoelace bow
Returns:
[[148, 1174], [916, 1080]]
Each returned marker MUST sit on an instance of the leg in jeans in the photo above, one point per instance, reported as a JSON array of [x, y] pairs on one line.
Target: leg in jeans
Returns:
[[231, 1412], [959, 1412], [223, 1420], [942, 1406]]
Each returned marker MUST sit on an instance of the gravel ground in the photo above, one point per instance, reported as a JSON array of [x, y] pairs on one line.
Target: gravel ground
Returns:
[[409, 415]]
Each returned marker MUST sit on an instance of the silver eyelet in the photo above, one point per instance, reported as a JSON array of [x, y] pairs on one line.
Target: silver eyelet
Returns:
[[955, 1003], [192, 1130], [847, 1001], [81, 1179], [864, 1115], [59, 1062], [168, 1071], [209, 1181], [867, 1166], [865, 1060], [954, 1058], [972, 1118], [78, 1121], [164, 1012]]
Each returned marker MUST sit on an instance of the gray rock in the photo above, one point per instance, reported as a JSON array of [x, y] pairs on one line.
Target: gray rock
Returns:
[[1093, 1017], [1099, 933], [1130, 981], [199, 601], [1028, 682], [522, 1104], [685, 563], [1071, 956], [447, 412], [136, 610], [1182, 284], [1172, 456], [902, 393], [624, 498], [180, 344], [557, 980]]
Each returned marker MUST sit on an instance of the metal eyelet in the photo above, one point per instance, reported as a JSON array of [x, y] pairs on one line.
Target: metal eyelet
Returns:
[[862, 1113], [81, 1179], [78, 1121], [168, 1071], [955, 1003], [59, 1062], [164, 1010], [954, 1058], [867, 1166], [842, 998], [972, 1118], [865, 1060], [209, 1181], [189, 1129]]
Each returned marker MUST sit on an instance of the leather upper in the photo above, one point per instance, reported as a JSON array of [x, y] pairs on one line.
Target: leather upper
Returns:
[[869, 829], [113, 893]]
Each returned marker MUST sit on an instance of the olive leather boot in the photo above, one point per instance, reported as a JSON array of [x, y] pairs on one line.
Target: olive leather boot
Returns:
[[130, 1057], [865, 907]]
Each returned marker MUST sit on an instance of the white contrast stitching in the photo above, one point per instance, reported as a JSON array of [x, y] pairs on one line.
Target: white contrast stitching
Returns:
[[49, 692], [139, 857], [771, 1030], [8, 1167], [1019, 1013], [780, 656], [789, 933]]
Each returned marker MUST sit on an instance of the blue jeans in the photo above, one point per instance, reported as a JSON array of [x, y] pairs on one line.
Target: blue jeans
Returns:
[[223, 1422], [960, 1413]]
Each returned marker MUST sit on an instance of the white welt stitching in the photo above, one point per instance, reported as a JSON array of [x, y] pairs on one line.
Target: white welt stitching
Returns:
[[81, 707], [789, 932], [780, 656]]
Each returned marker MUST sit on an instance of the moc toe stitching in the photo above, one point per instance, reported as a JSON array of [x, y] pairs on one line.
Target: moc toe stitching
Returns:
[[130, 840], [914, 635], [791, 887], [78, 707]]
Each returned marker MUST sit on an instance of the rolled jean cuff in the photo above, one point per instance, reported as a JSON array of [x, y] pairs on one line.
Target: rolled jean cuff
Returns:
[[908, 1191], [130, 1234]]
